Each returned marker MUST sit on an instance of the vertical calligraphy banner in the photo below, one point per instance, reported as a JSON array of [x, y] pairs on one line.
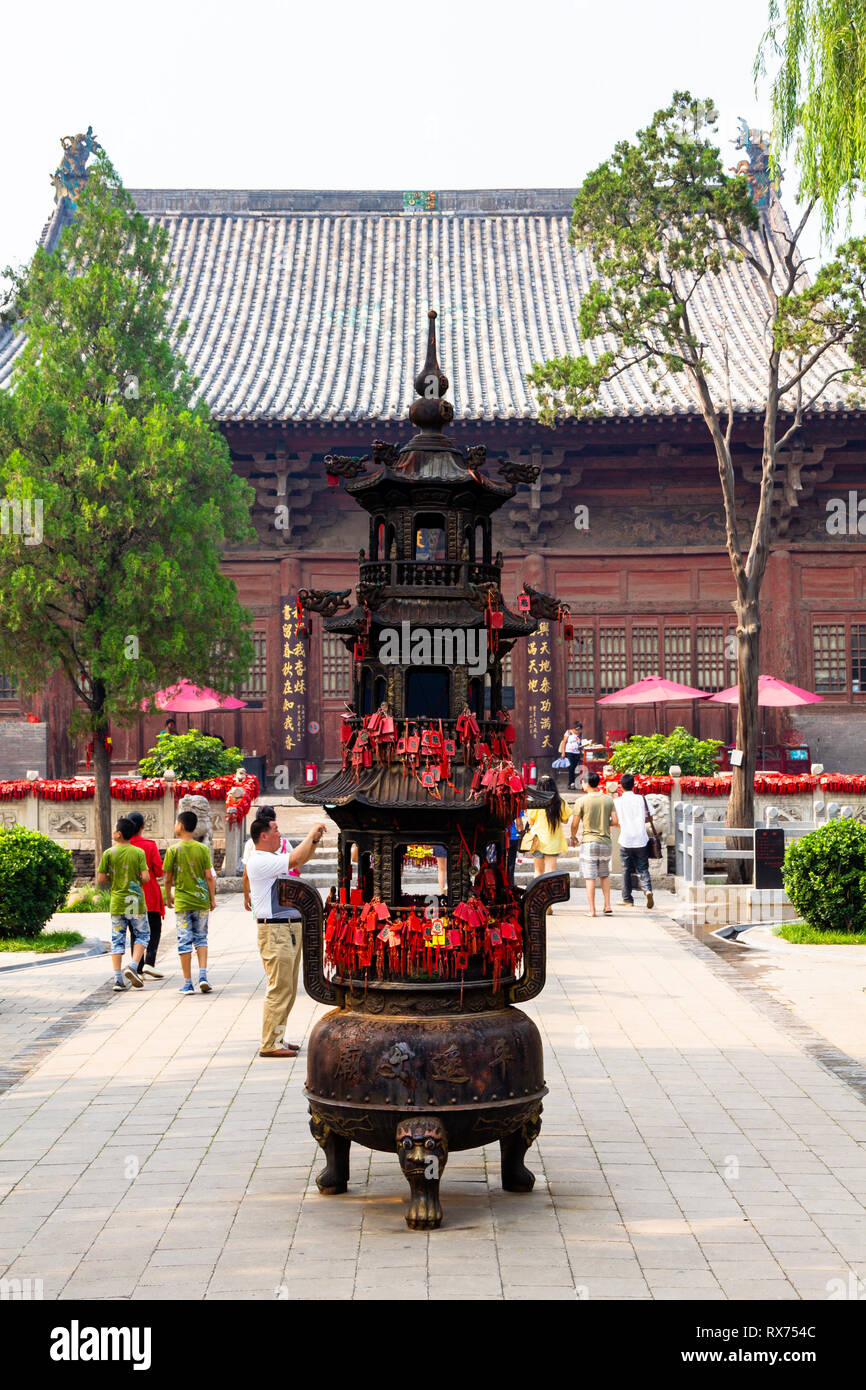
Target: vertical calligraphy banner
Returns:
[[539, 683], [294, 666]]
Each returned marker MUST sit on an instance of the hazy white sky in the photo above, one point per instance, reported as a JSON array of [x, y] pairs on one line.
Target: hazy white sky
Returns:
[[338, 94]]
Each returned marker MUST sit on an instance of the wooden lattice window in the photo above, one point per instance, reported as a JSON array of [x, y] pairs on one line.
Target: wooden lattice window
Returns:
[[612, 660], [581, 662], [256, 685], [678, 654], [644, 652], [829, 654], [858, 658], [336, 669], [8, 687], [713, 671]]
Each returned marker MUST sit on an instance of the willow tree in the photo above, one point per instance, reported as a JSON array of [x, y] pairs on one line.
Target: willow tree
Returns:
[[819, 95], [101, 438], [662, 220]]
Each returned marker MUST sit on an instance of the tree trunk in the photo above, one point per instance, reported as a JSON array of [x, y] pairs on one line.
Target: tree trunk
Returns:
[[102, 788], [741, 804]]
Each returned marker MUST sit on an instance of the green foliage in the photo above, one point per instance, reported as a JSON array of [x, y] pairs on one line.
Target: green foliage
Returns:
[[45, 943], [831, 309], [35, 875], [661, 216], [819, 95], [658, 216], [89, 899], [193, 755], [825, 876], [138, 493], [799, 934], [655, 754]]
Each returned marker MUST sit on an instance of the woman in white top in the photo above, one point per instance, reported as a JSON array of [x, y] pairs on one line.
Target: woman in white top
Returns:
[[571, 747]]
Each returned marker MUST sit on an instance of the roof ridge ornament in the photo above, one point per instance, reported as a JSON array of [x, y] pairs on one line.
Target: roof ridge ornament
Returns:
[[756, 167], [71, 174]]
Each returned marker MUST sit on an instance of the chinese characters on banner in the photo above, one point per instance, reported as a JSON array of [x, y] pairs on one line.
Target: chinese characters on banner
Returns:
[[294, 684], [539, 681]]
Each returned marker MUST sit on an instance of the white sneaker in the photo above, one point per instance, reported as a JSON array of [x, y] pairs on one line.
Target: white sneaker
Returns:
[[152, 973]]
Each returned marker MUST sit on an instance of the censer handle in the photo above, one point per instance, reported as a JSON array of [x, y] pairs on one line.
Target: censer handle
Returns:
[[293, 892], [544, 890]]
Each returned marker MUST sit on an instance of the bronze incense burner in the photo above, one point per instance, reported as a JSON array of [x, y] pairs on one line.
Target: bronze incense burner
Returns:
[[424, 1051]]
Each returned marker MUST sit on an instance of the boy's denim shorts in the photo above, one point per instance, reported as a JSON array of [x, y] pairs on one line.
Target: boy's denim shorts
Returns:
[[191, 930], [139, 926]]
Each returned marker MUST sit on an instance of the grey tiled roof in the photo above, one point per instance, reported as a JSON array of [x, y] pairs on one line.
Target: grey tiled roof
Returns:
[[311, 307]]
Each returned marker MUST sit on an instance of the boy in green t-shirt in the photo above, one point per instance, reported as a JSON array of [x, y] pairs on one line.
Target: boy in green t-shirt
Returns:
[[190, 887], [124, 869]]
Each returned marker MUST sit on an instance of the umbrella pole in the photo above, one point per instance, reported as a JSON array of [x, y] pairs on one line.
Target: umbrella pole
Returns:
[[763, 743]]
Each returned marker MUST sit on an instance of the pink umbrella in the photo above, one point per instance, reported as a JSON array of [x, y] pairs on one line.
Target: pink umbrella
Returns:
[[652, 690], [771, 692], [186, 698]]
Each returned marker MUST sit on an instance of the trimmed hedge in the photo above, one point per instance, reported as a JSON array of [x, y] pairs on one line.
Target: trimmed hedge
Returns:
[[825, 876], [35, 877]]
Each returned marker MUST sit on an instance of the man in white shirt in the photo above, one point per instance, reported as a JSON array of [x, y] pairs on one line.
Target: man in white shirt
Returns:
[[279, 928], [634, 816]]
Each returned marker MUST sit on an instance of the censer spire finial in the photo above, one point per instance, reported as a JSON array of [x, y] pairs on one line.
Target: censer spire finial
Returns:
[[432, 411]]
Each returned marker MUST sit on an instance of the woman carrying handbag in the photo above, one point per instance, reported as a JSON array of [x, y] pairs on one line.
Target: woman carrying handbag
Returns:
[[545, 837]]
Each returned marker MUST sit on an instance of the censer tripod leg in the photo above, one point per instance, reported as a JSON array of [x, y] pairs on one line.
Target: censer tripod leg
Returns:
[[422, 1147], [334, 1177], [516, 1177]]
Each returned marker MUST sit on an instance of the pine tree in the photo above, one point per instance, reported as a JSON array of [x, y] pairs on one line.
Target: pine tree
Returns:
[[101, 435]]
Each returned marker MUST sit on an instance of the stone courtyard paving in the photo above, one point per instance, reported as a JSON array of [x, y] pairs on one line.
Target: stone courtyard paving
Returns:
[[691, 1147]]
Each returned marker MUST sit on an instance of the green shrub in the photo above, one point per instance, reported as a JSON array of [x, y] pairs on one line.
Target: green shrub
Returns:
[[89, 899], [654, 754], [193, 756], [35, 875], [825, 876]]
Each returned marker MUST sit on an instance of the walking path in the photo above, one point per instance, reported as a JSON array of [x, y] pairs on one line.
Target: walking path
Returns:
[[691, 1146]]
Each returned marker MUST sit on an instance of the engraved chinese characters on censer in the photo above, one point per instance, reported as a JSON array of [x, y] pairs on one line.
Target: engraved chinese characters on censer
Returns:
[[424, 1052]]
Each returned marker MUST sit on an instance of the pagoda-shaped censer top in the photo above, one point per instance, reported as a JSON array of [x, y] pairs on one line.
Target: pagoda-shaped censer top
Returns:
[[426, 744]]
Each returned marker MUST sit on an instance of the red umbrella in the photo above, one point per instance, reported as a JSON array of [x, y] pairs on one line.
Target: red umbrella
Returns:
[[771, 692]]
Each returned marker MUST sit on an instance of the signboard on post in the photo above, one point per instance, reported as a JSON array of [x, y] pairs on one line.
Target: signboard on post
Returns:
[[294, 671], [769, 858], [539, 693]]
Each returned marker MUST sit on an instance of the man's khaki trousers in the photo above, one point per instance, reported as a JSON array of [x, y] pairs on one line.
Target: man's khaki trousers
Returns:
[[280, 947]]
